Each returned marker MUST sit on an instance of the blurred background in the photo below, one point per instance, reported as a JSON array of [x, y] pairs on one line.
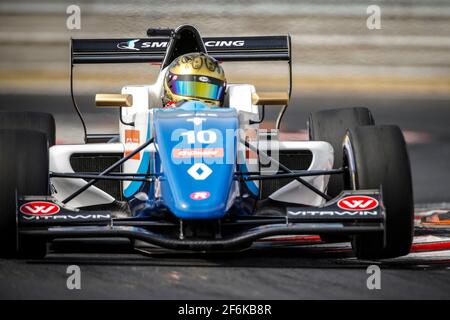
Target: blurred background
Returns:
[[401, 71], [332, 47]]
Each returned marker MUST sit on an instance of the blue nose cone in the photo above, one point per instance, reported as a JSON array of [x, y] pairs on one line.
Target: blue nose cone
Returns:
[[197, 149]]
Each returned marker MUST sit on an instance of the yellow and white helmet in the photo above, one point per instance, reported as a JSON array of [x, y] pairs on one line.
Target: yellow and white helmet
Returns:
[[195, 76]]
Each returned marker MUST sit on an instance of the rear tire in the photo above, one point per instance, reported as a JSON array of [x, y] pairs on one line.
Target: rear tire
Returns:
[[380, 159], [23, 169], [331, 126], [35, 121]]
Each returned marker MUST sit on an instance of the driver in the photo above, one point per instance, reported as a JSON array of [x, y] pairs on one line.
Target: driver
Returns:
[[194, 76]]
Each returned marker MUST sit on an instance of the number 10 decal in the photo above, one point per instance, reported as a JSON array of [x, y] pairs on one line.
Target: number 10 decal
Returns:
[[202, 136]]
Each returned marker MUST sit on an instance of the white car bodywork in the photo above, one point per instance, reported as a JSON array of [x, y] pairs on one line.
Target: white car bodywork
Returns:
[[148, 97]]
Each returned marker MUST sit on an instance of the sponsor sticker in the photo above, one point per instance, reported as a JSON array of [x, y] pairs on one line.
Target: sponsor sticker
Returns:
[[250, 155], [198, 153], [225, 43], [199, 195], [357, 203], [65, 217], [330, 213], [199, 171], [39, 208], [128, 45], [132, 137]]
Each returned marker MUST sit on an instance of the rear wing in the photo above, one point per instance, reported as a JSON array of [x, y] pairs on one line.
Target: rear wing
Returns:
[[142, 50], [137, 50]]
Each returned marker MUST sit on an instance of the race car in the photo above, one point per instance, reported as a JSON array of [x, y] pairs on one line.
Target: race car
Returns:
[[202, 178]]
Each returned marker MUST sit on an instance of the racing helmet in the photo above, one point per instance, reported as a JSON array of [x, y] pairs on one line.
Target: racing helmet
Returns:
[[195, 76]]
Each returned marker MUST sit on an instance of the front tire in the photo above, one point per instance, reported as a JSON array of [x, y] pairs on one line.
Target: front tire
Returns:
[[377, 158], [23, 171], [331, 126], [26, 120]]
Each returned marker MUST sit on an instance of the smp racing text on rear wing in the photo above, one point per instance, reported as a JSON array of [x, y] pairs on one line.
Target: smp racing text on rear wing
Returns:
[[257, 48]]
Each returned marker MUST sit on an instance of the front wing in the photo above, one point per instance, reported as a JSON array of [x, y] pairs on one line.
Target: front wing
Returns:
[[351, 213]]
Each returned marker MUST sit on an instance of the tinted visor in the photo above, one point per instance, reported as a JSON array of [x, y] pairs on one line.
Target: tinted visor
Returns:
[[196, 86]]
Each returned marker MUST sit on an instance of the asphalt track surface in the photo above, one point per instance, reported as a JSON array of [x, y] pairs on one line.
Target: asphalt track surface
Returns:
[[281, 270]]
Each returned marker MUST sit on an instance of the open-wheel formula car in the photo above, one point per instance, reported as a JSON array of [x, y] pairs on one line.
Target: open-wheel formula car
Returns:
[[203, 178]]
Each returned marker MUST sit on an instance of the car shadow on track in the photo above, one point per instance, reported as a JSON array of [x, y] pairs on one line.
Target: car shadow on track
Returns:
[[260, 255]]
